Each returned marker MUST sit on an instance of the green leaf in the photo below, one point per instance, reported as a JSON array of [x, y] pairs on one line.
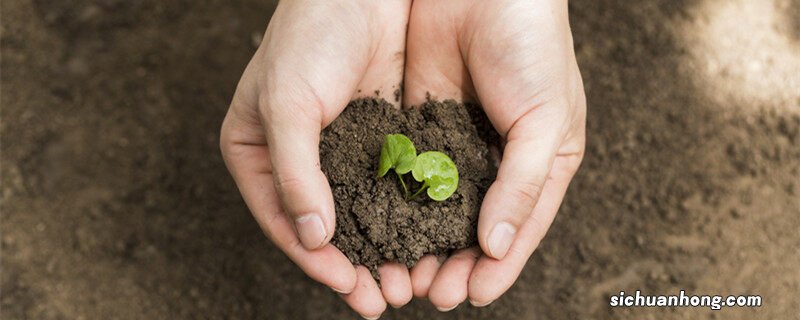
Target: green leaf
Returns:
[[397, 153], [438, 172]]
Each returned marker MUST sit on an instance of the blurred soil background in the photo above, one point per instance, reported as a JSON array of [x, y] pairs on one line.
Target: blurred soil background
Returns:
[[116, 203]]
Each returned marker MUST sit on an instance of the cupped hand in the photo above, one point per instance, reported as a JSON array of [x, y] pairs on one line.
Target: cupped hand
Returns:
[[517, 59], [315, 57]]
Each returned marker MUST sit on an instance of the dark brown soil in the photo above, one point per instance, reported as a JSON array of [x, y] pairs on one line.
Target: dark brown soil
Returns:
[[374, 223]]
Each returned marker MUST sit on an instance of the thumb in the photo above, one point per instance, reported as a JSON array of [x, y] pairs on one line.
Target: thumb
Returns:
[[531, 145], [293, 131], [305, 79], [520, 58]]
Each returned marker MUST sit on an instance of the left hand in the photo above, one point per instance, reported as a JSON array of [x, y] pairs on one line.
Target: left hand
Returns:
[[517, 59], [316, 56]]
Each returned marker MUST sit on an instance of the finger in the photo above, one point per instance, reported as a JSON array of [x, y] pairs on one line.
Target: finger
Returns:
[[450, 286], [422, 275], [366, 299], [395, 284], [491, 277], [250, 168], [433, 60], [384, 75]]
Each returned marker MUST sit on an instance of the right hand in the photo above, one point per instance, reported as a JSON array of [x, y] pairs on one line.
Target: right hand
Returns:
[[316, 56], [516, 58]]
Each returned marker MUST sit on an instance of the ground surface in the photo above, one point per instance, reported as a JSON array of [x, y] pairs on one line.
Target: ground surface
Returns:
[[116, 203]]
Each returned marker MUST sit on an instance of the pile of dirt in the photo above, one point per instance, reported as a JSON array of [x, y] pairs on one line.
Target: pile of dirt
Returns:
[[374, 223]]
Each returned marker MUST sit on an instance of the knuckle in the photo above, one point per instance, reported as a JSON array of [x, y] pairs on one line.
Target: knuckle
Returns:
[[517, 251], [288, 183], [225, 134], [289, 244], [226, 148], [224, 142], [272, 220], [466, 256], [573, 169], [292, 99], [571, 164], [540, 230], [526, 192]]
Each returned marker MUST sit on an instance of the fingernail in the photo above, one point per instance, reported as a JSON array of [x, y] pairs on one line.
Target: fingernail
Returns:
[[372, 318], [310, 230], [476, 304], [500, 239], [446, 309], [339, 291]]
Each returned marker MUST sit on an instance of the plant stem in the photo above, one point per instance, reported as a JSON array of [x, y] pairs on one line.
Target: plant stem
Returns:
[[424, 186], [405, 190]]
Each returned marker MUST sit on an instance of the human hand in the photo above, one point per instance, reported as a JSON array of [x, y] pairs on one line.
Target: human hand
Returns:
[[316, 56], [517, 59]]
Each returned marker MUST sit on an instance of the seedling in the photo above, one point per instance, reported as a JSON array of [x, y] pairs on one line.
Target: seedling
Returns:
[[434, 169], [397, 153], [438, 174]]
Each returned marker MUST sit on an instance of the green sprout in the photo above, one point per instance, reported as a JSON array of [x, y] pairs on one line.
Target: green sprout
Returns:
[[397, 153], [437, 173], [435, 170]]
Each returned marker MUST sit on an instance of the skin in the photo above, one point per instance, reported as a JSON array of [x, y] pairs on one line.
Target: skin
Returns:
[[515, 57]]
